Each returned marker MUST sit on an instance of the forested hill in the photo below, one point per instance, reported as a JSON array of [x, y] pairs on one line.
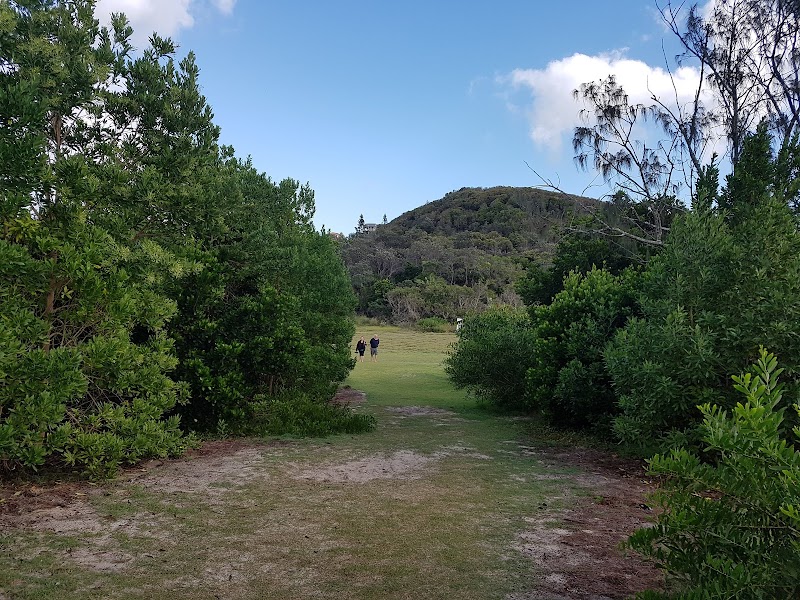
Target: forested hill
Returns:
[[527, 217], [458, 254]]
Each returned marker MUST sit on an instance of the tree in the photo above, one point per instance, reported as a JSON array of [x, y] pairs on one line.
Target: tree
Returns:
[[730, 527], [611, 143], [360, 226], [747, 53], [84, 356], [134, 248], [577, 252], [269, 314], [725, 284]]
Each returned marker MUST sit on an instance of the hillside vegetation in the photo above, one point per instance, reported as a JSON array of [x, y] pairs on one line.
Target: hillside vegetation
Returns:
[[459, 254]]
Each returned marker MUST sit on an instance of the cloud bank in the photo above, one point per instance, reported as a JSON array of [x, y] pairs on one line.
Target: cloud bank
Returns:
[[167, 17], [553, 112]]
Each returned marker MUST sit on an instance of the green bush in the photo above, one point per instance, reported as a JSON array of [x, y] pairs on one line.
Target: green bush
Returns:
[[568, 379], [493, 352], [724, 285], [730, 526], [299, 415], [76, 388], [433, 324]]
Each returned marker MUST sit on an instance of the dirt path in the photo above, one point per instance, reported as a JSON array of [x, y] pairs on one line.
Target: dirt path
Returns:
[[95, 539], [443, 501]]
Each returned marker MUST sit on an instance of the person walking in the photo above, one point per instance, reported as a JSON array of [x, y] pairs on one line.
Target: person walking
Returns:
[[361, 347], [373, 348]]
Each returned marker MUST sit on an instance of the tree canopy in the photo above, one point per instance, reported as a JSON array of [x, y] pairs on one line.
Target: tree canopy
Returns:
[[150, 281]]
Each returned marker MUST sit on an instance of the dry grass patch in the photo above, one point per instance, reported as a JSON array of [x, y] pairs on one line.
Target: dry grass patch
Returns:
[[443, 501]]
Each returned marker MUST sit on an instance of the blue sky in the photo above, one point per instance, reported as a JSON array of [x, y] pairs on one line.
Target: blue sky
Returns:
[[383, 107]]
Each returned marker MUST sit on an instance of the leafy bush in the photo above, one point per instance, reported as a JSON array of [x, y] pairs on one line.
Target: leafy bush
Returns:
[[493, 352], [362, 321], [75, 388], [568, 379], [575, 252], [125, 261], [299, 415], [661, 372], [731, 527], [724, 285], [433, 324]]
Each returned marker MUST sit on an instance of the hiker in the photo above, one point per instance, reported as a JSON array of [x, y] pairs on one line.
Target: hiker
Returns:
[[373, 348], [361, 347]]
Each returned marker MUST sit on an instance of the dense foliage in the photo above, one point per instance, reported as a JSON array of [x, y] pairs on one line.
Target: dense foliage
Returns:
[[649, 352], [726, 283], [646, 349], [567, 378], [492, 354], [457, 255], [145, 272], [730, 527]]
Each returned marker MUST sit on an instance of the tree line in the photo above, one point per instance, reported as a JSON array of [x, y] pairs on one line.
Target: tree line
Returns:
[[663, 331], [151, 282], [457, 255]]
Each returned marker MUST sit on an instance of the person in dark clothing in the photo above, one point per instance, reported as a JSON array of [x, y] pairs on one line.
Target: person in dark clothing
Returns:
[[361, 347], [373, 348]]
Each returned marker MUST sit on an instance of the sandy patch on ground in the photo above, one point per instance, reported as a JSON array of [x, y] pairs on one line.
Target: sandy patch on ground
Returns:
[[420, 411], [577, 551], [212, 475], [64, 508], [96, 548], [438, 416], [403, 464]]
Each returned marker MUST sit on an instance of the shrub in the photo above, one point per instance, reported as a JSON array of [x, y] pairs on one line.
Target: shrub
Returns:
[[724, 285], [84, 361], [433, 324], [731, 527], [299, 415], [493, 351], [568, 379]]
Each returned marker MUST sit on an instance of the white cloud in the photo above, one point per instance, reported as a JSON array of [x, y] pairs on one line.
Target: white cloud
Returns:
[[225, 6], [166, 17], [553, 112]]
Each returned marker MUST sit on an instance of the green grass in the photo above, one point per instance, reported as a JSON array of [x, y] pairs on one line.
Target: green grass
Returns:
[[445, 529], [409, 369]]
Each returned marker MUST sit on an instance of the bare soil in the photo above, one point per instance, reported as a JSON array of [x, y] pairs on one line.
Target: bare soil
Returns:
[[576, 550], [579, 549]]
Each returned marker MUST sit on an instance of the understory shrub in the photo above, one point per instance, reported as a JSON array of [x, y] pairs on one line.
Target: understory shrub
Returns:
[[433, 324], [297, 414], [493, 352], [730, 526]]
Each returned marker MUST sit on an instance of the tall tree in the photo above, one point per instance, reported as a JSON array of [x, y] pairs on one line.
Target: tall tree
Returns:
[[84, 358], [747, 53]]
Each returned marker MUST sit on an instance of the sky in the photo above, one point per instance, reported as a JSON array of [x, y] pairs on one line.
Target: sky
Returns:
[[384, 106]]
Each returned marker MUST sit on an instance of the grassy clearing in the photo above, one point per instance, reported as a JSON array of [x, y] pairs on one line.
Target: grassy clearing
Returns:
[[426, 507]]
